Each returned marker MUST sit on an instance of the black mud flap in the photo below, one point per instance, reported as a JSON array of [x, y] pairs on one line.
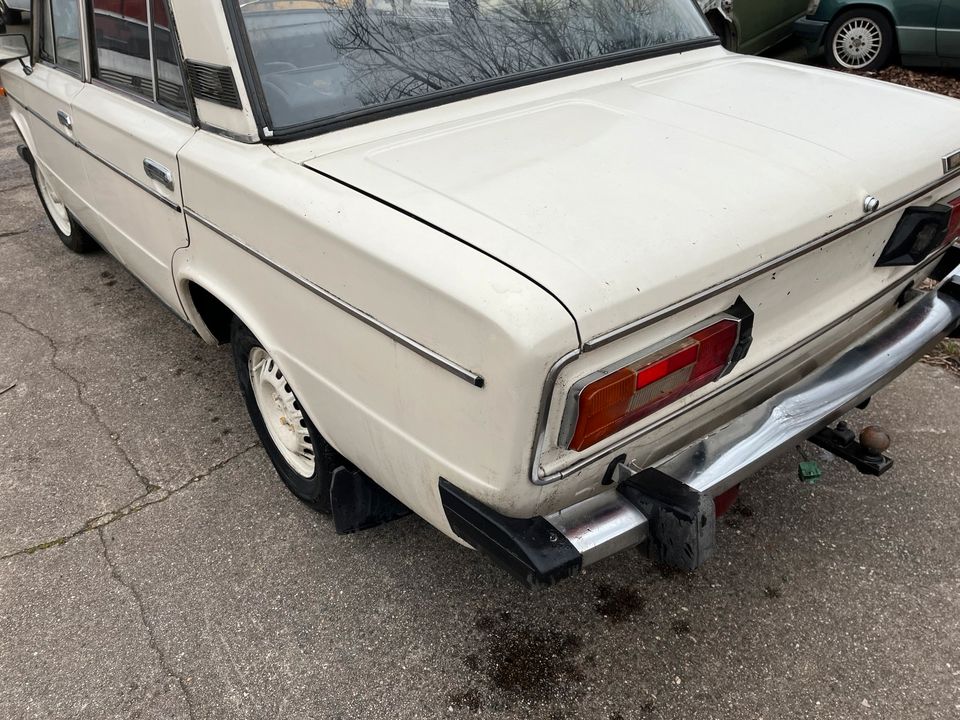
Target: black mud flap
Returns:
[[682, 521], [357, 503], [530, 549]]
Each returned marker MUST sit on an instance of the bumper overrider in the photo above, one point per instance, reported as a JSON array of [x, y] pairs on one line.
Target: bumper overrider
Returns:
[[670, 507]]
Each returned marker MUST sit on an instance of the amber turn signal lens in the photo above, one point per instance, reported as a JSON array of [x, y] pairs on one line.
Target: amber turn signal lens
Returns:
[[621, 398]]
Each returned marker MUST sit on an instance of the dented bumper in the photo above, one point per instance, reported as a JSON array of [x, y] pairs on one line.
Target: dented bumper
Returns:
[[671, 505]]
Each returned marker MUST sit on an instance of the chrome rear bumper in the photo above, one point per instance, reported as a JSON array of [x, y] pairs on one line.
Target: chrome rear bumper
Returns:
[[671, 504]]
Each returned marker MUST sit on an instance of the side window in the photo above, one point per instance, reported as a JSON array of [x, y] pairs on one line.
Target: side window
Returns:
[[46, 49], [135, 49], [170, 92], [122, 40], [60, 34]]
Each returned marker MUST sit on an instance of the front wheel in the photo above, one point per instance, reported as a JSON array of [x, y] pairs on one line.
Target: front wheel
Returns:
[[860, 40], [300, 455], [67, 229]]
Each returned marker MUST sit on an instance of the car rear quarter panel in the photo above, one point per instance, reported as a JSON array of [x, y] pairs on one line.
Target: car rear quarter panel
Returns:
[[402, 419]]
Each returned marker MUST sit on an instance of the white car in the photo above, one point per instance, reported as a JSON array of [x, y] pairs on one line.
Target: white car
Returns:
[[555, 277]]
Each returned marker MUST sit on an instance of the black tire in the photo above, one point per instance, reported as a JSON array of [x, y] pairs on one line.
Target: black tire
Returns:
[[313, 491], [871, 19], [77, 240], [14, 17]]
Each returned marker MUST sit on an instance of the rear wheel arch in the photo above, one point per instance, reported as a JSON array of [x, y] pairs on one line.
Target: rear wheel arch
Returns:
[[210, 316]]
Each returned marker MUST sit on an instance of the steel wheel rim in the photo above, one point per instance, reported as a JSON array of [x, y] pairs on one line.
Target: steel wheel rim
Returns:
[[281, 412], [858, 43], [58, 211]]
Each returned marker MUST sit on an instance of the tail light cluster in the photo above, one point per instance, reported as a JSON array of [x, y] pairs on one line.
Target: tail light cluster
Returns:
[[616, 397], [921, 232]]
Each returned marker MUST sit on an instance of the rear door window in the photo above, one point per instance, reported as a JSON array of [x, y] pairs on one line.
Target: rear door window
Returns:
[[170, 91], [136, 50], [121, 38]]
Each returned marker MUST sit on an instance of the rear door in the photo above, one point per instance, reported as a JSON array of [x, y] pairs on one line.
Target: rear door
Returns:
[[948, 29], [49, 94], [133, 118]]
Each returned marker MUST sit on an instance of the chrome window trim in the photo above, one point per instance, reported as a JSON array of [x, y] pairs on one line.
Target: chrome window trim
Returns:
[[338, 302], [155, 79], [571, 410], [538, 477], [772, 264], [80, 146]]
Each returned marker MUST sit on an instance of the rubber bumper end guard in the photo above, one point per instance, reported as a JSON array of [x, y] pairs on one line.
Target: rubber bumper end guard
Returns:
[[530, 549]]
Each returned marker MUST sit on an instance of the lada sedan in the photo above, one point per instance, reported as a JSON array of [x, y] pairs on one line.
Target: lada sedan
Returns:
[[556, 276]]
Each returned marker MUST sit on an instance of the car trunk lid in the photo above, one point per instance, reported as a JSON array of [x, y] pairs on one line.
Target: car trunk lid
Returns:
[[640, 189]]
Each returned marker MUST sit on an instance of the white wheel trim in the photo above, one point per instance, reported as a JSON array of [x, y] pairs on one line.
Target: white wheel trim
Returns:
[[858, 43], [281, 412], [58, 211]]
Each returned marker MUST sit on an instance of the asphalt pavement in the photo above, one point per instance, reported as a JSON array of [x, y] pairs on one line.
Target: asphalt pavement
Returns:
[[153, 566]]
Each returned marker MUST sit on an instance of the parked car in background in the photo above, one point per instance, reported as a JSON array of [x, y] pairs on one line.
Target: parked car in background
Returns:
[[752, 26], [558, 287], [869, 34], [13, 10]]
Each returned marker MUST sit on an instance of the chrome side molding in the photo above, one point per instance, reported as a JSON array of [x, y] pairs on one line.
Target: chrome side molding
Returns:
[[398, 337], [67, 122]]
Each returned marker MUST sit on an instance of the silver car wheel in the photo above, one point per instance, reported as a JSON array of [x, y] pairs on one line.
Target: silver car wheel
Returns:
[[281, 412], [858, 43]]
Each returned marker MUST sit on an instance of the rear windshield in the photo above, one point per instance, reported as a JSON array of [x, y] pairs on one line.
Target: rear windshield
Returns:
[[320, 59]]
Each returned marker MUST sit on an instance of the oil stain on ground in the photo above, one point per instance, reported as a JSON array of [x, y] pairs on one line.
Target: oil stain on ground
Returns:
[[619, 604], [535, 665]]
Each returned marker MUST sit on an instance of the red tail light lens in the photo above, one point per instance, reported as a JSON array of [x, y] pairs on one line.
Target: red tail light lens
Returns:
[[953, 227], [622, 397]]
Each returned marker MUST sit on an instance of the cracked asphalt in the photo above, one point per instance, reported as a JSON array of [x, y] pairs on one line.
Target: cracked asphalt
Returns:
[[152, 566]]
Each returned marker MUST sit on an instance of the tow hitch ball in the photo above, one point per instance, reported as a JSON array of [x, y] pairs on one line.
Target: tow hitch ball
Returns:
[[865, 453]]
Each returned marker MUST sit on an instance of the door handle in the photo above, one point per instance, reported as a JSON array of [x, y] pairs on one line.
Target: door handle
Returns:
[[65, 119], [156, 171]]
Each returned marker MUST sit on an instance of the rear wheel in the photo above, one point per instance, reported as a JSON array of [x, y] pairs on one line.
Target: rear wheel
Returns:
[[300, 455], [70, 233], [860, 40]]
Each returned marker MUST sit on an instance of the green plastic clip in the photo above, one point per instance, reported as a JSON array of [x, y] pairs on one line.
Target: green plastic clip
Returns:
[[809, 472]]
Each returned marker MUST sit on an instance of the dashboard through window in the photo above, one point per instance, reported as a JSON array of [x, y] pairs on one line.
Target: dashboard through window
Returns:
[[319, 59]]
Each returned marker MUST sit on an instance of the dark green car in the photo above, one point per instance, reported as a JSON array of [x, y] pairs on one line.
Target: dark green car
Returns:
[[752, 26], [868, 34]]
